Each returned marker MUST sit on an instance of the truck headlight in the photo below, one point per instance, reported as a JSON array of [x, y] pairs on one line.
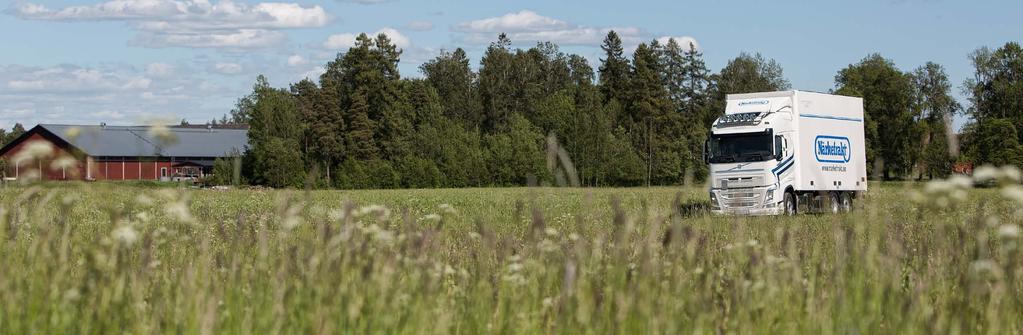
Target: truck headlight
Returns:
[[714, 200], [769, 198]]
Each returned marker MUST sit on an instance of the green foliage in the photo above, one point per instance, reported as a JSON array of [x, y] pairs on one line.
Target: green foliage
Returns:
[[889, 107], [226, 171], [936, 108], [996, 105], [8, 137], [455, 83], [274, 137], [614, 68], [516, 156], [994, 141]]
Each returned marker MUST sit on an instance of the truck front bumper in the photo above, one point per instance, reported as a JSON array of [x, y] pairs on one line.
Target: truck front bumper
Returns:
[[746, 201], [778, 210]]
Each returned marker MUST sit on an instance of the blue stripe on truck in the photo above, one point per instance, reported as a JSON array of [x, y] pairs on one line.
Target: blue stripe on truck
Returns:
[[815, 116]]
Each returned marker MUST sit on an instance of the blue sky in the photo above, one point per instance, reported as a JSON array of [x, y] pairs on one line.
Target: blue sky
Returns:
[[136, 61]]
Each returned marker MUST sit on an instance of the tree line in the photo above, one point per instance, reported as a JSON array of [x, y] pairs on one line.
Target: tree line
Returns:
[[638, 119]]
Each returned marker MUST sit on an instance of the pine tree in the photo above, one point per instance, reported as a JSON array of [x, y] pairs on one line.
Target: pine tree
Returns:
[[614, 68], [455, 83], [656, 123], [359, 138], [496, 70]]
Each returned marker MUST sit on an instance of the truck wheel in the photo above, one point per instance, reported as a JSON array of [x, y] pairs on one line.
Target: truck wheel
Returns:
[[847, 202], [790, 203], [835, 201]]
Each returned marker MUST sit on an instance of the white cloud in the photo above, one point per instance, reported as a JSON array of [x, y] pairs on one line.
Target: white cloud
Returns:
[[522, 21], [111, 92], [67, 78], [296, 60], [107, 114], [344, 41], [191, 23], [420, 25], [232, 40], [314, 73], [340, 41], [159, 70], [367, 2], [227, 68], [525, 27], [138, 83], [684, 41]]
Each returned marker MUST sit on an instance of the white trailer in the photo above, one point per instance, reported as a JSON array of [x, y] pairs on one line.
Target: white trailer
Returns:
[[786, 152]]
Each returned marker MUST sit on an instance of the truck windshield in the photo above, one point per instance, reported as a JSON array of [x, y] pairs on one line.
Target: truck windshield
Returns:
[[749, 147]]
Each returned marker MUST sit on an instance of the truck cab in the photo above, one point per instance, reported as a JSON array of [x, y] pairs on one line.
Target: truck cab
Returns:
[[771, 150]]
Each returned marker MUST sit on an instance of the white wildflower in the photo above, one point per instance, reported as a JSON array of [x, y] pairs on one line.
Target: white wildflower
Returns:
[[63, 162], [986, 173], [162, 134], [336, 215], [125, 235], [73, 132], [72, 295], [379, 234], [430, 218], [178, 211], [143, 216], [381, 212], [1011, 173], [143, 200], [1009, 231], [292, 217], [983, 266], [1014, 192], [551, 232], [446, 209], [548, 302], [34, 150], [573, 236], [960, 181]]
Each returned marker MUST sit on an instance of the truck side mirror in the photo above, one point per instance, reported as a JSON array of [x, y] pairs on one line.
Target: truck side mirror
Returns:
[[779, 149]]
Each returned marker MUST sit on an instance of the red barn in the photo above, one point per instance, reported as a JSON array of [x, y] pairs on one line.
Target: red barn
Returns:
[[69, 152]]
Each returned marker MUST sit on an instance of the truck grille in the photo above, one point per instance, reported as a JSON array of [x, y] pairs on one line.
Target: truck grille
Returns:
[[738, 182], [734, 199]]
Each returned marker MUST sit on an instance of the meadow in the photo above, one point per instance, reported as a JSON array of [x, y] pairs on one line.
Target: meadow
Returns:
[[939, 257]]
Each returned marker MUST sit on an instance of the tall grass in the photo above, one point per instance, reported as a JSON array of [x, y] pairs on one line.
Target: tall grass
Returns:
[[108, 258]]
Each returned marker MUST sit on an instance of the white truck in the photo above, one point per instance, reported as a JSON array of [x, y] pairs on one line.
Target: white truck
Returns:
[[786, 152]]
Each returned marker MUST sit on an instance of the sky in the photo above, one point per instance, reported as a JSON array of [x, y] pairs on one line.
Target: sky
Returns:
[[142, 61]]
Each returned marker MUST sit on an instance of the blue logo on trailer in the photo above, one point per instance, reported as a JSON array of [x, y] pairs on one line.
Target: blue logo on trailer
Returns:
[[832, 149]]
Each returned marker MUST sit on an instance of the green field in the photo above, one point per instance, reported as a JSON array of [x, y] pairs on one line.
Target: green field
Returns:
[[109, 258]]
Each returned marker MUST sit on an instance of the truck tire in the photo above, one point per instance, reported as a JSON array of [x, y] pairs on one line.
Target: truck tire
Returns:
[[835, 202], [847, 202], [790, 203]]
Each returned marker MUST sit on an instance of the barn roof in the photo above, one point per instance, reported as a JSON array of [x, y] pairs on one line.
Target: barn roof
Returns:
[[140, 141]]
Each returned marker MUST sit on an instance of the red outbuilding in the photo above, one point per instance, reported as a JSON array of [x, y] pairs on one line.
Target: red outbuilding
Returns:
[[77, 152]]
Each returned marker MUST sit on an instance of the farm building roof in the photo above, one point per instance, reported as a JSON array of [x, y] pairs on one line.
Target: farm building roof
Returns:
[[139, 141]]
